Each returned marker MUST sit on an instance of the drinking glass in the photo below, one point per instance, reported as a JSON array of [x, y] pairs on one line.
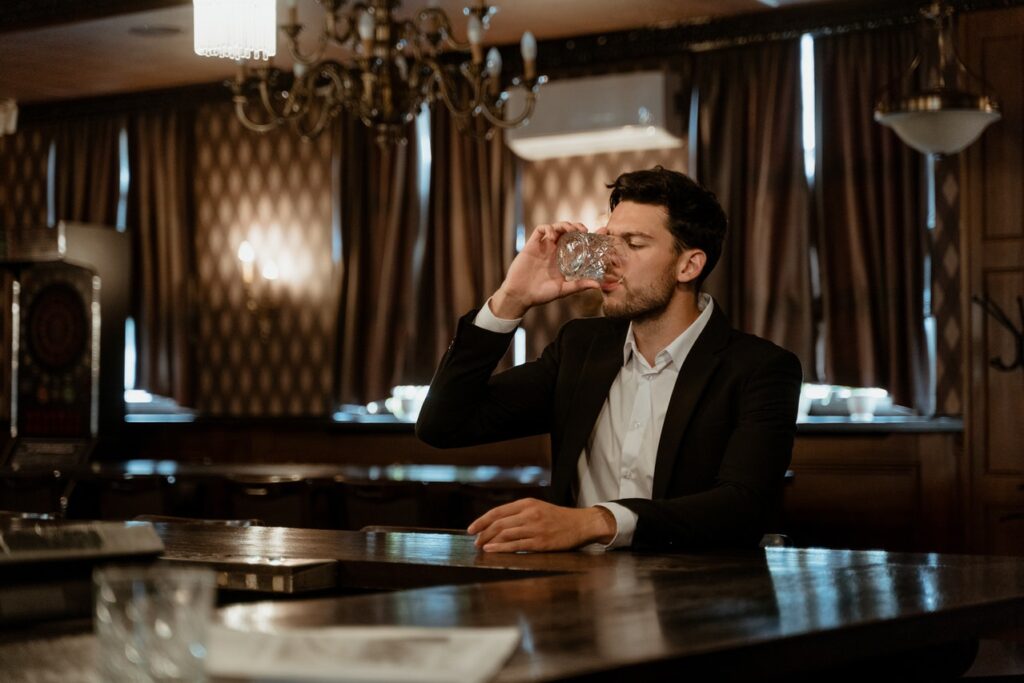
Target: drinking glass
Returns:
[[588, 255], [151, 622]]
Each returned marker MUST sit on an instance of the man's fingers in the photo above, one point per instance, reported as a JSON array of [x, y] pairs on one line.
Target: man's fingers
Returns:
[[553, 231], [497, 527], [489, 517], [513, 533], [573, 286], [512, 546]]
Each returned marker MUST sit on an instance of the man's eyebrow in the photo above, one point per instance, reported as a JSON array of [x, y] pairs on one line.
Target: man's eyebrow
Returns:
[[633, 233]]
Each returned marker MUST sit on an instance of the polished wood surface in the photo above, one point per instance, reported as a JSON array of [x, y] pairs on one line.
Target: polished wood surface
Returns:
[[593, 612], [604, 615]]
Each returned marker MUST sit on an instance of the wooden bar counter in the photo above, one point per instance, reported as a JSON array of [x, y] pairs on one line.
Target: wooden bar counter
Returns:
[[744, 615], [756, 615]]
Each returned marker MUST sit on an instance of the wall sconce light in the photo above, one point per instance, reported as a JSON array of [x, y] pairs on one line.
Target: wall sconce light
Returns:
[[8, 117], [261, 298]]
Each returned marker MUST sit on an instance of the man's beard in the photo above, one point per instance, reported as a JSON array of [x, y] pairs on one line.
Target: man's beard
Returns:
[[640, 304]]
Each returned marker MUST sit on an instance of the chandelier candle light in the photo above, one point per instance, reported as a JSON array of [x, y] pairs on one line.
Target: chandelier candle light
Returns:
[[383, 70]]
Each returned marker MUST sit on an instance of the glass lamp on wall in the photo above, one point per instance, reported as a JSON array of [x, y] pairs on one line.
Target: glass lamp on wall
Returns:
[[261, 298]]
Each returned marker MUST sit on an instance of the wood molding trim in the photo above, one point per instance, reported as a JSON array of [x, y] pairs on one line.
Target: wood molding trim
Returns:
[[22, 15]]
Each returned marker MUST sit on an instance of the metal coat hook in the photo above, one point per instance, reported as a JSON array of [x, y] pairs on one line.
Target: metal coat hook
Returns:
[[992, 308]]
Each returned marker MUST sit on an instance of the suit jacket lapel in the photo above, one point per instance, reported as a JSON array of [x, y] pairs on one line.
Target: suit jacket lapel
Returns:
[[699, 366], [602, 365]]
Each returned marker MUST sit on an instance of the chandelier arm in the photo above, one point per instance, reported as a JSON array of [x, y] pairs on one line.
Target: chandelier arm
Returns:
[[350, 24], [321, 123], [312, 57], [268, 104], [520, 119], [410, 34], [445, 26], [243, 117], [444, 88]]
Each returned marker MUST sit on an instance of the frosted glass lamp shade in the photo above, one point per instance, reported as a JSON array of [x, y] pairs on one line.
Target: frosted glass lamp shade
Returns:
[[939, 132], [236, 29]]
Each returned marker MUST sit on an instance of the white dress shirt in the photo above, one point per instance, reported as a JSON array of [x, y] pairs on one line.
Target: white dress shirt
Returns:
[[619, 457]]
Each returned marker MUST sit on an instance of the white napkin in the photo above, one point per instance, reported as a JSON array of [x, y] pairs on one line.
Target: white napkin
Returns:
[[361, 653]]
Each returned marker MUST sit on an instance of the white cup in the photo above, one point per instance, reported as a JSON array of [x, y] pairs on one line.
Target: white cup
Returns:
[[863, 402]]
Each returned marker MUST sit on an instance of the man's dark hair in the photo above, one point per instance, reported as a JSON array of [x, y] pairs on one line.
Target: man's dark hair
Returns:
[[695, 217]]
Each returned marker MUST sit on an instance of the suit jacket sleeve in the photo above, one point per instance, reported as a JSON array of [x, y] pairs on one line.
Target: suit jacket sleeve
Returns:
[[744, 501], [468, 404]]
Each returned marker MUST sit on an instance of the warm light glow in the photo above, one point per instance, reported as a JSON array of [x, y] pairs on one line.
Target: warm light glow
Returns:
[[269, 271], [246, 254], [236, 29], [8, 117]]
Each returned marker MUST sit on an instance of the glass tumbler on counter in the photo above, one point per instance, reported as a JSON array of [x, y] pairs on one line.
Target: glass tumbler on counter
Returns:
[[588, 255], [151, 622]]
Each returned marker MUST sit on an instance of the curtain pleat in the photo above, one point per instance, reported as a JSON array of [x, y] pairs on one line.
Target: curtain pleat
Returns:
[[380, 223], [87, 183], [469, 236], [869, 222], [749, 153], [159, 218]]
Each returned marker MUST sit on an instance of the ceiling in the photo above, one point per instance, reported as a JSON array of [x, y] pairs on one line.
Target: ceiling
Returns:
[[108, 55]]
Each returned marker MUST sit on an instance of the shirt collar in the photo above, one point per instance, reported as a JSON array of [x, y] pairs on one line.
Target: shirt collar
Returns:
[[679, 347]]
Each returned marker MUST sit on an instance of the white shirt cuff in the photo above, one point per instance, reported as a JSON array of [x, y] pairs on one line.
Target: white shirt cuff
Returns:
[[492, 323], [625, 524]]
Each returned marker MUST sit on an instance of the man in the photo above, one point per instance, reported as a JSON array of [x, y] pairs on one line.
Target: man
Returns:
[[669, 429]]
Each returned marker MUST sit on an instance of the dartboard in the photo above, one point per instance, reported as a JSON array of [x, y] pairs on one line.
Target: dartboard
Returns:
[[57, 327]]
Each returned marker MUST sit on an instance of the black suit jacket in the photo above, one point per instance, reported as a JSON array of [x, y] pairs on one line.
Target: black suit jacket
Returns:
[[725, 444]]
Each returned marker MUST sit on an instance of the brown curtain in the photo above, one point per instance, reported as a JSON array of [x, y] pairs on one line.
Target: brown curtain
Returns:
[[469, 236], [160, 220], [749, 153], [870, 221], [380, 224], [87, 183]]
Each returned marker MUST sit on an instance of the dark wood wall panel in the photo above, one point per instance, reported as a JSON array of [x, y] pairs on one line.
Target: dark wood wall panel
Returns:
[[1004, 436], [993, 244], [1004, 156], [891, 491]]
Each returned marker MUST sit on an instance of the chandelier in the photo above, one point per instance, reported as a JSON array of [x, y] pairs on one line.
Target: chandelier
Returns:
[[383, 69], [939, 107]]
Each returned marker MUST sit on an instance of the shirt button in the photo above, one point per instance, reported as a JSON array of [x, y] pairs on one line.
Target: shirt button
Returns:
[[636, 425], [627, 474]]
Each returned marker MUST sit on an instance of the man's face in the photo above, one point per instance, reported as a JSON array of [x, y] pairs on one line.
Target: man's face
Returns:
[[642, 285]]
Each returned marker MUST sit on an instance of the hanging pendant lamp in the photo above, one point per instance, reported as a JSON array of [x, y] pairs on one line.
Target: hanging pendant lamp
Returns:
[[938, 107]]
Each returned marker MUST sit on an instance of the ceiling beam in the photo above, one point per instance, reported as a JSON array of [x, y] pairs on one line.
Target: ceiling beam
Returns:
[[23, 15]]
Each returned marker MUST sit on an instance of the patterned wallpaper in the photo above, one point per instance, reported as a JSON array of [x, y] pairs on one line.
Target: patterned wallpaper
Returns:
[[273, 190], [574, 189], [23, 159]]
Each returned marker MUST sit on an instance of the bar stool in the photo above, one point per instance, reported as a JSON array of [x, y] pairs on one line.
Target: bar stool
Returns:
[[363, 505], [275, 499]]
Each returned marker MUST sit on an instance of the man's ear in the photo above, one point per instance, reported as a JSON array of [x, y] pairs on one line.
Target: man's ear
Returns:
[[691, 265]]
